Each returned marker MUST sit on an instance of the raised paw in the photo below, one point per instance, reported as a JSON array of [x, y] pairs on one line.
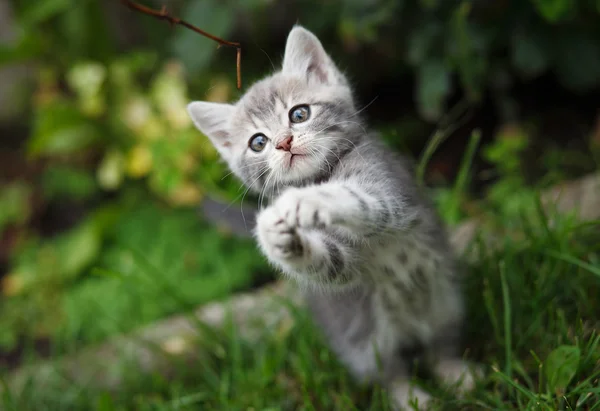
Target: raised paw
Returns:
[[278, 240], [304, 209]]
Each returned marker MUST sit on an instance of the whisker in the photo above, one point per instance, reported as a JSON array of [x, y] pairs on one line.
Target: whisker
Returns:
[[266, 54], [351, 142], [264, 190], [246, 192], [318, 151], [260, 173], [372, 101], [245, 167]]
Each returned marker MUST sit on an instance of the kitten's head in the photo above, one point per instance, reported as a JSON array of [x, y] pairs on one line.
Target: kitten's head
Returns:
[[290, 128]]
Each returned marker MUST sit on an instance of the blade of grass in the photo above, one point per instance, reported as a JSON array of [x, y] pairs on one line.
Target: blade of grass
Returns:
[[448, 125], [507, 321], [466, 163], [508, 380], [575, 261]]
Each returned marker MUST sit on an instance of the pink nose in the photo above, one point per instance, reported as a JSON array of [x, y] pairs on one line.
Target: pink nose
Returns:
[[285, 144]]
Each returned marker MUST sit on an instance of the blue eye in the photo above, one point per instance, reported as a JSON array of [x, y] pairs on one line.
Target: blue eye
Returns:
[[257, 142], [299, 114]]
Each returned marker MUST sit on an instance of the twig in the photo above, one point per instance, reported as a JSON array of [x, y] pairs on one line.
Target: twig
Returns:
[[163, 14]]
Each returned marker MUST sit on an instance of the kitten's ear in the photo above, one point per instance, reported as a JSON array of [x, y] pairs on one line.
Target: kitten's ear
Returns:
[[305, 56], [212, 120]]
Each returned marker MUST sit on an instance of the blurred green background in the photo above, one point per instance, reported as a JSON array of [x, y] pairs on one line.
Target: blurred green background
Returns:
[[102, 174]]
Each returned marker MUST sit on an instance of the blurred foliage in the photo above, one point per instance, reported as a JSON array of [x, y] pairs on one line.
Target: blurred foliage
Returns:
[[479, 46], [112, 148], [141, 132], [508, 195], [14, 204], [125, 264], [471, 45]]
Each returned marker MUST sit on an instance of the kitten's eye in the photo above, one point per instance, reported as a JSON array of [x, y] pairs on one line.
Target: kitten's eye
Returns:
[[299, 114], [257, 142]]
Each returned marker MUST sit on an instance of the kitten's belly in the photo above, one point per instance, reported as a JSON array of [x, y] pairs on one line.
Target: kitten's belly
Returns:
[[407, 298], [359, 325], [413, 292]]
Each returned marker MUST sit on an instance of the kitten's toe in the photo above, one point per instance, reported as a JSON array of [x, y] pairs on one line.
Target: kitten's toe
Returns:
[[303, 209], [458, 373], [312, 215], [277, 239], [286, 245], [408, 397]]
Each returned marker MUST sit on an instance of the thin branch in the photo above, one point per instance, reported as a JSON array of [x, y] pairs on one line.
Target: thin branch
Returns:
[[163, 14]]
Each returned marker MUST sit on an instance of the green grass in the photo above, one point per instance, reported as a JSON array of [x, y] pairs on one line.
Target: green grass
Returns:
[[149, 262], [533, 322]]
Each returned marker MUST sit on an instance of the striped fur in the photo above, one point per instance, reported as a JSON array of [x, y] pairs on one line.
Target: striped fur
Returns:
[[345, 220]]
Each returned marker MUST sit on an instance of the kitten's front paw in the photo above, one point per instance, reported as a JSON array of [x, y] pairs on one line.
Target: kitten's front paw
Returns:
[[279, 241], [304, 208]]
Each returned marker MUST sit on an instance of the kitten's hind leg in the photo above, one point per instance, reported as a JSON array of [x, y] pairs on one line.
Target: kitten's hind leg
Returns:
[[446, 362], [406, 396], [458, 373]]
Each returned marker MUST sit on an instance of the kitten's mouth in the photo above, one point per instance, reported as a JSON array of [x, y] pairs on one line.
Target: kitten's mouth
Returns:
[[292, 156]]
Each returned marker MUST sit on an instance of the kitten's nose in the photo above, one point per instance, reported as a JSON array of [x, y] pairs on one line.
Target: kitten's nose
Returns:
[[285, 144]]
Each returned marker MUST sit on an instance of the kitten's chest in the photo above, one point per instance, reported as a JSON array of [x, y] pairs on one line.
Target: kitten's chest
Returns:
[[402, 258]]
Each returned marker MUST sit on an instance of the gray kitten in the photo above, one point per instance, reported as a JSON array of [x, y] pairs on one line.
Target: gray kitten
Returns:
[[345, 220]]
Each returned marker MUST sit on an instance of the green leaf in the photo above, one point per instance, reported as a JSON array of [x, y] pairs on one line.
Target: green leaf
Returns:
[[101, 272], [554, 10], [27, 47], [66, 182], [360, 23], [528, 54], [465, 48], [14, 204], [105, 403], [8, 334], [429, 4], [86, 31], [507, 149], [577, 59], [422, 41], [78, 249], [39, 11], [214, 17], [433, 85], [157, 261], [560, 367], [56, 260], [60, 128]]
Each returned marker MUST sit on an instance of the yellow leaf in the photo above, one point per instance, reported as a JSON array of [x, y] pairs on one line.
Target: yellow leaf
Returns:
[[186, 194], [153, 129], [136, 113], [110, 171], [187, 163], [169, 92], [87, 78], [219, 91], [12, 284], [139, 162]]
